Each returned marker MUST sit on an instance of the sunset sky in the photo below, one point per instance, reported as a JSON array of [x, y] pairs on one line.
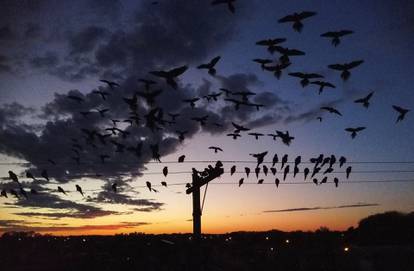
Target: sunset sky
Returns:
[[50, 49]]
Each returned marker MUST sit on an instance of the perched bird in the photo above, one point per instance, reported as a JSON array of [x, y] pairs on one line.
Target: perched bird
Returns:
[[181, 159], [165, 171], [230, 4], [342, 161], [13, 176], [79, 189], [277, 182], [247, 170], [257, 172], [305, 77], [232, 170], [284, 160], [273, 170], [298, 160], [332, 160], [260, 181], [336, 181], [265, 170], [256, 135], [216, 149], [45, 175], [275, 160], [344, 68], [111, 84], [402, 112], [259, 157], [322, 85], [348, 171], [365, 101], [296, 19], [331, 110], [210, 66], [286, 172], [241, 181], [315, 181], [315, 171], [163, 183], [170, 75], [306, 173], [354, 131], [60, 189], [328, 170], [295, 171], [324, 180], [336, 35], [149, 186]]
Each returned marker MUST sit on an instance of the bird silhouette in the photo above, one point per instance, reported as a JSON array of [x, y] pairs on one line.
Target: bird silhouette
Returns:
[[315, 171], [163, 183], [229, 3], [181, 159], [277, 182], [336, 181], [232, 170], [286, 172], [296, 19], [354, 131], [262, 62], [111, 84], [260, 181], [191, 101], [165, 171], [60, 189], [286, 53], [348, 171], [79, 189], [265, 170], [256, 135], [103, 94], [331, 110], [241, 181], [332, 160], [328, 170], [336, 35], [102, 112], [315, 181], [324, 180], [322, 85], [278, 68], [273, 170], [234, 135], [247, 170], [45, 175], [259, 157], [239, 128], [306, 173], [402, 112], [305, 77], [173, 116], [275, 160], [149, 186], [365, 101], [170, 75], [286, 138], [214, 95], [295, 171], [226, 92], [257, 172], [298, 160], [147, 83], [14, 193], [342, 161], [284, 160], [13, 176], [344, 68], [216, 149], [210, 66]]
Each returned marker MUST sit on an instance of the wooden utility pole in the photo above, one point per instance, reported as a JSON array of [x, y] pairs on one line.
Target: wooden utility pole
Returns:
[[200, 179]]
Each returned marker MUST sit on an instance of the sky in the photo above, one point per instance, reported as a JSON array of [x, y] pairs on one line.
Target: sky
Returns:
[[50, 50]]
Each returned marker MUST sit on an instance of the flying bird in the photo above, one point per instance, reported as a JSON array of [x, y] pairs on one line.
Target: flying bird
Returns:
[[344, 68], [286, 138], [103, 94], [336, 35], [402, 112], [234, 135], [365, 101], [305, 77], [239, 128], [354, 131], [210, 66], [229, 3], [331, 110], [296, 19], [170, 75], [216, 149], [259, 157], [226, 92], [111, 84], [79, 189], [278, 68], [256, 135], [149, 186], [262, 62], [191, 101], [322, 85]]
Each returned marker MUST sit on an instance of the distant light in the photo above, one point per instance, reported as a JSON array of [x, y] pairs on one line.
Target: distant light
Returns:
[[67, 172], [287, 241], [84, 240], [267, 237], [271, 249], [346, 249]]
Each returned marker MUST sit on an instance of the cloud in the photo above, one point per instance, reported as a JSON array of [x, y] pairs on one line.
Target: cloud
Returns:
[[357, 205], [48, 60], [6, 33]]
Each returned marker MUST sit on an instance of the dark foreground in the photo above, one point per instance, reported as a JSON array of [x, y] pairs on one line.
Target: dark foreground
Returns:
[[321, 250]]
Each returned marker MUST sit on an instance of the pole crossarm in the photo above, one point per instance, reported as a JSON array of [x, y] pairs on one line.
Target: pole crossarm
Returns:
[[206, 176]]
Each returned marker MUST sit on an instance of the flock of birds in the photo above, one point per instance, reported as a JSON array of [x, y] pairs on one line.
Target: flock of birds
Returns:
[[155, 119]]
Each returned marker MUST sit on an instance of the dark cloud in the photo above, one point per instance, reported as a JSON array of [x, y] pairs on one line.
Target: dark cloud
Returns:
[[32, 31], [48, 60], [5, 65], [6, 33], [358, 205], [85, 40], [312, 113]]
